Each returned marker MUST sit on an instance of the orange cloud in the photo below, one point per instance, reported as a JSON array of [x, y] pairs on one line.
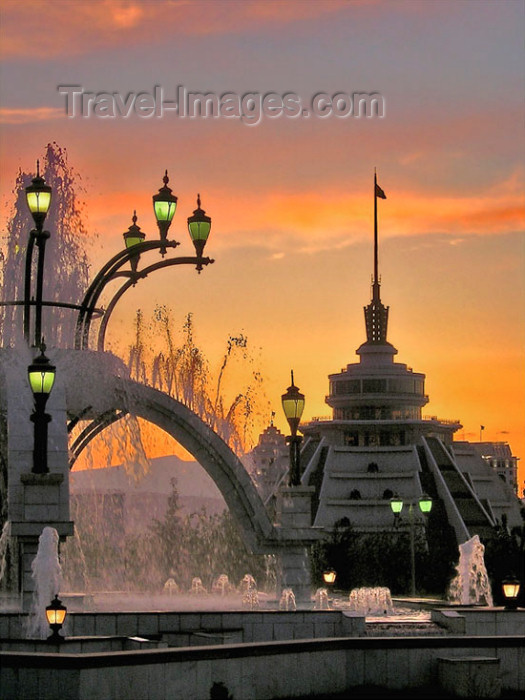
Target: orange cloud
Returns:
[[88, 26], [26, 116]]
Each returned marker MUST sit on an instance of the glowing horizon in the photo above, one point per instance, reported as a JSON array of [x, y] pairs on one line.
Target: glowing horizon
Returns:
[[291, 199]]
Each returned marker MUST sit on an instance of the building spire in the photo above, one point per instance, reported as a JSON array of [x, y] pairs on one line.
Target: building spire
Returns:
[[376, 314]]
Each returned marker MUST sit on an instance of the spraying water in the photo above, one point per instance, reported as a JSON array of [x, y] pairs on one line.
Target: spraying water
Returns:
[[471, 585], [321, 599], [221, 585], [287, 601], [4, 544], [47, 576], [67, 268], [250, 594], [371, 600], [197, 588]]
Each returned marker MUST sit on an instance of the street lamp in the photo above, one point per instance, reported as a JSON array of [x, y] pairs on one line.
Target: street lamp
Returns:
[[329, 577], [293, 407], [38, 197], [41, 374], [132, 237], [425, 506], [511, 589], [164, 206], [199, 226], [55, 615]]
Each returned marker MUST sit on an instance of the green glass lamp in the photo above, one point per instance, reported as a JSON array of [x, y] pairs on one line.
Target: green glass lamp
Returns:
[[199, 226], [396, 504], [425, 504], [41, 375], [164, 206], [38, 197]]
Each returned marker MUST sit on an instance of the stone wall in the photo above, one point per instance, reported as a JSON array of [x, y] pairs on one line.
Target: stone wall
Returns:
[[257, 671]]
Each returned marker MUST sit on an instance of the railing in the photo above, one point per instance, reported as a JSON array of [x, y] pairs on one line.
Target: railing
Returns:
[[445, 421], [435, 419]]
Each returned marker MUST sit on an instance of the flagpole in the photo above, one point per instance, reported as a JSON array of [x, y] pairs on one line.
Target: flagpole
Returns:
[[375, 230]]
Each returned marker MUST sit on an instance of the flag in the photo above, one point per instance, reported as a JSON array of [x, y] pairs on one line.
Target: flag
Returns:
[[379, 192], [482, 427]]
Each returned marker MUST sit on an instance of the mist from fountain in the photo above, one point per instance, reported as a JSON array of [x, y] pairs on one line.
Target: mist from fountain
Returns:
[[471, 584], [46, 572]]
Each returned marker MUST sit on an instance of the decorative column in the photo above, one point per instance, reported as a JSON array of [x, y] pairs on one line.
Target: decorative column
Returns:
[[35, 500], [295, 537]]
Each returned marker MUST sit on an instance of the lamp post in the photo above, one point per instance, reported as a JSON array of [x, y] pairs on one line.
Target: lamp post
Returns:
[[425, 506], [293, 407], [55, 615], [41, 374], [38, 197]]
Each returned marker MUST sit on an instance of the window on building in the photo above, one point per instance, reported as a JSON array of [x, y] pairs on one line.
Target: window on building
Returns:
[[374, 386]]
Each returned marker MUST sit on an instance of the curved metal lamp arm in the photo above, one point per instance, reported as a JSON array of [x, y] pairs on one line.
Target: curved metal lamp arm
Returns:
[[105, 275], [141, 275], [96, 426]]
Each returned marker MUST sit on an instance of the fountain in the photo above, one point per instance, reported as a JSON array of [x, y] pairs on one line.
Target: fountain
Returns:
[[321, 601], [221, 585], [287, 601], [471, 584], [4, 544], [170, 587], [47, 576], [197, 588], [250, 595], [371, 601]]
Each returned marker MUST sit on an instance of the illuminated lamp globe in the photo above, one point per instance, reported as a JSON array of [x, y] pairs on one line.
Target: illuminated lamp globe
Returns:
[[511, 589], [55, 615], [164, 206], [396, 504], [38, 197], [199, 226], [425, 504], [133, 236], [293, 406], [329, 577], [41, 375]]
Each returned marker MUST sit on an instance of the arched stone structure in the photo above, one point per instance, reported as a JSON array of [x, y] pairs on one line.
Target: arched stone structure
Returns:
[[96, 386], [209, 450]]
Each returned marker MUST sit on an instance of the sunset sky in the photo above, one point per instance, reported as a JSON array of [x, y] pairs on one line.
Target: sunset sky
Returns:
[[291, 197]]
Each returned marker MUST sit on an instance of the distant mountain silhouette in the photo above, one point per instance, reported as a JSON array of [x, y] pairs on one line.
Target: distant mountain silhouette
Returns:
[[196, 489]]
